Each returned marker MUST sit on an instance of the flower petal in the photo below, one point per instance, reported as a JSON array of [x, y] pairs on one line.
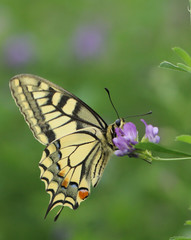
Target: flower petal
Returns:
[[130, 131], [151, 132], [126, 139], [155, 130], [119, 132]]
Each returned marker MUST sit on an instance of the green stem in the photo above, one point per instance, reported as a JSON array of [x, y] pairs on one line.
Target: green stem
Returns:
[[171, 159]]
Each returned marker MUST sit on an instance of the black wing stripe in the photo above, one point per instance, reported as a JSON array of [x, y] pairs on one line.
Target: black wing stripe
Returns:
[[86, 168]]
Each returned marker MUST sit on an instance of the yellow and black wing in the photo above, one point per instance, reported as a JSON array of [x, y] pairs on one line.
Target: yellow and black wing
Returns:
[[50, 111], [70, 165], [77, 149]]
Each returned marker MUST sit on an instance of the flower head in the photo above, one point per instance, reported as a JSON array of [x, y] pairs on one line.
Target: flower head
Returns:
[[89, 40], [151, 132], [19, 50], [126, 139]]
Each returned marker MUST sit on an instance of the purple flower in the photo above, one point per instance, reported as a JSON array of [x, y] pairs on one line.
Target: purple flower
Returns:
[[88, 41], [151, 132], [19, 50], [126, 139]]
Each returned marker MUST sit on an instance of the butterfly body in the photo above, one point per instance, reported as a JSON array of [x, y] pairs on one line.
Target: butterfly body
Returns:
[[78, 141]]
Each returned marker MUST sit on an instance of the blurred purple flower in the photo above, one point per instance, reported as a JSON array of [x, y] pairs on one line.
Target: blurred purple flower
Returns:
[[151, 132], [126, 139], [19, 51], [88, 41]]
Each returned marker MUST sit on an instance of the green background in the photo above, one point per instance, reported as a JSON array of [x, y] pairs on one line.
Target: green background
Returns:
[[124, 43]]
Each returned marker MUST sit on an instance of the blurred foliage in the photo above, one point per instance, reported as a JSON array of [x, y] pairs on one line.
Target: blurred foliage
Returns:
[[85, 46], [185, 67]]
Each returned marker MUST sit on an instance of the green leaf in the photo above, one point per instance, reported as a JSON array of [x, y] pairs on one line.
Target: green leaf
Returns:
[[160, 149], [184, 138], [184, 67], [188, 222], [171, 66], [183, 54], [180, 238], [180, 66]]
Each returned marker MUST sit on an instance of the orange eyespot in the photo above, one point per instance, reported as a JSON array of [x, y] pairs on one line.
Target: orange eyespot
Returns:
[[83, 193], [62, 173], [65, 183]]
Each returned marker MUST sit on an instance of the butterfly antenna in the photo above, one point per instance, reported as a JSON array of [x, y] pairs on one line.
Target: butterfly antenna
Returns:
[[139, 115], [112, 102]]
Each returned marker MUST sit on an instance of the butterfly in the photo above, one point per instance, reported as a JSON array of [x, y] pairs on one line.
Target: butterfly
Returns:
[[78, 141]]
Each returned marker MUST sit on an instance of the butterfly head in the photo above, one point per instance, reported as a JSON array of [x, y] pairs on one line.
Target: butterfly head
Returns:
[[119, 123], [111, 133]]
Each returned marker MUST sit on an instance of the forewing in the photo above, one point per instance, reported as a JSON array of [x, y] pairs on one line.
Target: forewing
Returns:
[[50, 111], [70, 165]]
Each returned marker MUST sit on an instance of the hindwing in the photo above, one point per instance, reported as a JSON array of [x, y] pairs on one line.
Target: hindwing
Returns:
[[50, 111], [71, 164]]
